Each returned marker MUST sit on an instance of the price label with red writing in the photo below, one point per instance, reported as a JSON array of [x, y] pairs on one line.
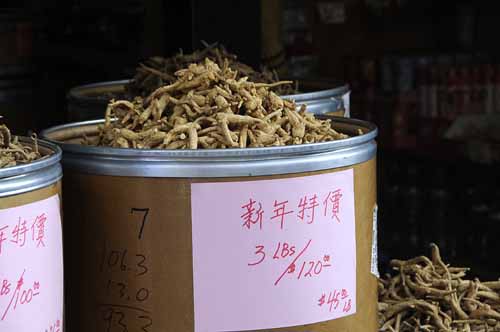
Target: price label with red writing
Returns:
[[273, 253], [31, 267]]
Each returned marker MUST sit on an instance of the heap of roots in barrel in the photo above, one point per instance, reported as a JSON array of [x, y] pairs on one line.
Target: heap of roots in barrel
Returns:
[[158, 71], [209, 107], [13, 152]]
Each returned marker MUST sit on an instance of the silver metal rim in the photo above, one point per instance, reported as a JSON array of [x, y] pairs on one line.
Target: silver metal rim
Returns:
[[75, 93], [220, 163], [39, 174], [317, 95]]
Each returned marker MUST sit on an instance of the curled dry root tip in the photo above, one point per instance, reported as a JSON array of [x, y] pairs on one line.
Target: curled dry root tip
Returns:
[[429, 295], [157, 71], [13, 152]]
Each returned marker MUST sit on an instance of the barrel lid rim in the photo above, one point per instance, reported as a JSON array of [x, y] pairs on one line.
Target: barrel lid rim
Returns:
[[76, 92], [218, 154], [34, 166], [320, 94]]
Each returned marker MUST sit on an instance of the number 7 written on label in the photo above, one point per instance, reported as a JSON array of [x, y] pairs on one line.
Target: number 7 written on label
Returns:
[[145, 212]]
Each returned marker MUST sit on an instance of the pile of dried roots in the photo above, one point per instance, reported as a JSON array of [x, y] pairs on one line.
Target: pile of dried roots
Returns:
[[13, 152], [159, 71], [428, 295], [209, 107]]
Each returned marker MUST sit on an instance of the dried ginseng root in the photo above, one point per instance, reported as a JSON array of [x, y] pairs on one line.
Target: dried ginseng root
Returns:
[[209, 107], [13, 152], [428, 295], [158, 71]]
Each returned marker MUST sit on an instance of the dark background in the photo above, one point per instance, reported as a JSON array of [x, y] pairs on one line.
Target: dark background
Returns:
[[392, 53]]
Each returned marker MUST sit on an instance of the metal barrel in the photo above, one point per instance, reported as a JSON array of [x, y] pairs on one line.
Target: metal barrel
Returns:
[[31, 257], [335, 101], [179, 240], [88, 102]]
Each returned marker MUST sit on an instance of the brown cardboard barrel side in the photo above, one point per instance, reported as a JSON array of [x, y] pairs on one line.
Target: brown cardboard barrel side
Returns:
[[116, 277], [31, 197]]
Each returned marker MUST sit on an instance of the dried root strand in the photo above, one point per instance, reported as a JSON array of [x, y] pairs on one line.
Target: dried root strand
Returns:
[[209, 107], [429, 295], [156, 72], [13, 152]]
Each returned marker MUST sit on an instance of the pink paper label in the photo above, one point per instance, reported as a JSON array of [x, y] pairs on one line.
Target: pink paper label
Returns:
[[273, 253], [31, 267]]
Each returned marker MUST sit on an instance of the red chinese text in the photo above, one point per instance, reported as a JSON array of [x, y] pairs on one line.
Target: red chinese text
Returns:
[[3, 238], [19, 233], [38, 228], [307, 208], [280, 212], [24, 232], [332, 204], [252, 216]]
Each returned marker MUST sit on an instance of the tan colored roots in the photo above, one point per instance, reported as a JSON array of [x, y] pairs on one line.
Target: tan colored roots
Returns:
[[159, 71], [13, 152], [207, 107], [428, 295]]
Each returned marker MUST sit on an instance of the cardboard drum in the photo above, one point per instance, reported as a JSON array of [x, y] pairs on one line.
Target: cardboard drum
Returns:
[[31, 257], [261, 239]]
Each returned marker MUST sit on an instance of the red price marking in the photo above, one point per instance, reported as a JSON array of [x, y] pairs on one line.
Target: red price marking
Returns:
[[20, 295], [347, 306], [336, 300], [309, 268], [5, 288], [312, 268], [260, 252], [291, 266], [54, 327], [283, 250], [333, 300]]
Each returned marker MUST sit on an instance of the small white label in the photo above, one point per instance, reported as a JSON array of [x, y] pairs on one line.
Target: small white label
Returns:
[[374, 261], [347, 104]]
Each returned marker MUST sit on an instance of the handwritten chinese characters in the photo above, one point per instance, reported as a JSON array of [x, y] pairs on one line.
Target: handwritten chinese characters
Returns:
[[23, 233], [287, 240], [253, 212], [31, 267]]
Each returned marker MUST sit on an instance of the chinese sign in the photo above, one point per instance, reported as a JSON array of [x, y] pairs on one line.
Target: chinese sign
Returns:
[[31, 267], [273, 253]]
